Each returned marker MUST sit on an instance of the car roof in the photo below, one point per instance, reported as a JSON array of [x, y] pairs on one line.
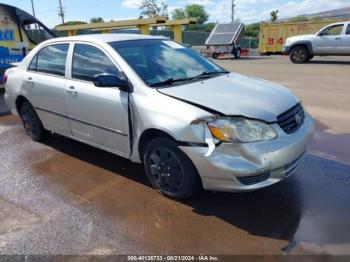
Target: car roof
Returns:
[[107, 38], [340, 22]]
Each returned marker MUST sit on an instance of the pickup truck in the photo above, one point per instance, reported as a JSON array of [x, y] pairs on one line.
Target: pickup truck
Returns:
[[333, 39]]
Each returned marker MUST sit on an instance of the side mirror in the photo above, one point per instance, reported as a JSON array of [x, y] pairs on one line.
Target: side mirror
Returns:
[[110, 80]]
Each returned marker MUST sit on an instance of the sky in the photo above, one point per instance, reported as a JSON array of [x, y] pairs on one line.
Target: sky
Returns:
[[219, 10]]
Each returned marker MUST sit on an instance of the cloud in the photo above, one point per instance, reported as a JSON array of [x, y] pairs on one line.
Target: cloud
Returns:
[[131, 3], [257, 10], [252, 10], [311, 6]]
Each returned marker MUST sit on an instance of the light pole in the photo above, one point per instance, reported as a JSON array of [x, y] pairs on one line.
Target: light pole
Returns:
[[233, 12], [61, 11], [33, 7]]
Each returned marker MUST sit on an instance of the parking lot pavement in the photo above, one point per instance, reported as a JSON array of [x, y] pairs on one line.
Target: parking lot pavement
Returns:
[[3, 107], [64, 197]]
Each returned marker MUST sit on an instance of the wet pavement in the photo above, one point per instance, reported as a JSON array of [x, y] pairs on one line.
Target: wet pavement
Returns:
[[3, 107], [64, 197]]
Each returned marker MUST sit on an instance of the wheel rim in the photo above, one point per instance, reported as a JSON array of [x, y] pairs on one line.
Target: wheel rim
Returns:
[[299, 55], [166, 170], [30, 125]]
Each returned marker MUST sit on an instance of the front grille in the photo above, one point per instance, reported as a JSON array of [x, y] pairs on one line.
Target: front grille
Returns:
[[251, 180], [292, 119]]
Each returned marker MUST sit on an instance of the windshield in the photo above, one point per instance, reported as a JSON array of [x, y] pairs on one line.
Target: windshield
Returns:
[[165, 61]]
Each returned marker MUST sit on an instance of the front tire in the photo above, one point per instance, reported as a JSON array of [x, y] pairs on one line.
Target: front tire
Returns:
[[32, 123], [299, 55], [169, 170]]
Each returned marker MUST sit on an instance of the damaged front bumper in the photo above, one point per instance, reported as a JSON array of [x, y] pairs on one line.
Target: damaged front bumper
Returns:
[[248, 166]]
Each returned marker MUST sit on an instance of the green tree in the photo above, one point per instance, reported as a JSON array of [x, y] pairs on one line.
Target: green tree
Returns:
[[178, 13], [274, 16], [299, 18], [316, 18], [152, 8], [96, 20], [252, 30], [198, 12], [72, 23]]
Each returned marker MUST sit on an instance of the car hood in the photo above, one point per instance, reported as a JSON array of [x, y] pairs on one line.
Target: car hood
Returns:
[[236, 95], [299, 38]]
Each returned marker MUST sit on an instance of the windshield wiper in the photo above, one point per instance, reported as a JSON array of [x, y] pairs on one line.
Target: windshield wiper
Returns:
[[170, 81], [210, 74]]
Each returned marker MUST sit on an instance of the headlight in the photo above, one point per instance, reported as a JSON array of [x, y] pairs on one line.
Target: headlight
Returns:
[[240, 130]]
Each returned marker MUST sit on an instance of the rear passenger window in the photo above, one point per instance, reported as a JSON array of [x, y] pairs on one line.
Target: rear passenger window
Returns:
[[51, 60], [348, 30], [89, 61], [33, 64]]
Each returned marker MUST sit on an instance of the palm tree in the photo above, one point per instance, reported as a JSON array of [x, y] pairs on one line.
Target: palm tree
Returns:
[[274, 16]]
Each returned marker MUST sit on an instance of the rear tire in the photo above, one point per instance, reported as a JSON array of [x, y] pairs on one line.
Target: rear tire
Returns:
[[299, 55], [169, 170], [32, 123]]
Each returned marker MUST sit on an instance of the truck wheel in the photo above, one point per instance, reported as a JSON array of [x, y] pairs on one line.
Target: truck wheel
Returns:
[[169, 170], [299, 55], [31, 122], [215, 56]]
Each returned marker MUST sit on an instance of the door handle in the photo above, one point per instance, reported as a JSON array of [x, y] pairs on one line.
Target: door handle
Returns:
[[72, 90], [338, 38], [30, 81]]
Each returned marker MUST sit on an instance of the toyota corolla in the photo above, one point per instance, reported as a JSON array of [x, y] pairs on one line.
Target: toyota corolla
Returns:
[[149, 99]]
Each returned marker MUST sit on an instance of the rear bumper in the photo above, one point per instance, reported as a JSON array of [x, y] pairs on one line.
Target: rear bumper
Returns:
[[10, 101], [250, 166]]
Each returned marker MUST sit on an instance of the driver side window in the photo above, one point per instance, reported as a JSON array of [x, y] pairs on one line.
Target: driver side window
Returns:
[[333, 30]]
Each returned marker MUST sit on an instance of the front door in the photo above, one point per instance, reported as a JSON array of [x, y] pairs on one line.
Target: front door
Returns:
[[97, 115], [345, 42], [329, 40]]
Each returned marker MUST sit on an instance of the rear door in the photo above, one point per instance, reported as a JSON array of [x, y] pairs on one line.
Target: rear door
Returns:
[[329, 40], [44, 82], [345, 41], [97, 115]]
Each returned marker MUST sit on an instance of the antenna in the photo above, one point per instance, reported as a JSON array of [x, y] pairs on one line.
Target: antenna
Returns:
[[61, 11], [233, 11]]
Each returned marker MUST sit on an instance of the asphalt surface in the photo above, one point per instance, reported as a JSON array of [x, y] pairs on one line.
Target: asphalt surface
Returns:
[[64, 197], [3, 107]]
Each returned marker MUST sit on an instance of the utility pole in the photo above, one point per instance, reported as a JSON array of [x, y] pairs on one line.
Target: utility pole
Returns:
[[61, 11], [33, 7], [233, 12]]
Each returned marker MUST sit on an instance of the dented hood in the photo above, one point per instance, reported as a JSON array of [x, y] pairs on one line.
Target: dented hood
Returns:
[[236, 95]]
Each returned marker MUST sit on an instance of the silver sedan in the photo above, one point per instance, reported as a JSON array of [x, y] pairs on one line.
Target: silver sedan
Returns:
[[191, 123]]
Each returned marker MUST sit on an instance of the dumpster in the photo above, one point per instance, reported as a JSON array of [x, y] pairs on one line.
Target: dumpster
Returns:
[[274, 35]]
